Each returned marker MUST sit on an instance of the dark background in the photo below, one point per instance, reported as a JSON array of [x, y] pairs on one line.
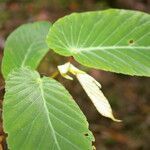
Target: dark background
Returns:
[[129, 96]]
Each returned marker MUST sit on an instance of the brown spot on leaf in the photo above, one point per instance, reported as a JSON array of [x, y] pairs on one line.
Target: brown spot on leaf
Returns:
[[131, 41], [86, 134]]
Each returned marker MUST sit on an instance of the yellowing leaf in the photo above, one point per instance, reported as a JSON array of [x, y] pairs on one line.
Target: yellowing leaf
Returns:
[[92, 88]]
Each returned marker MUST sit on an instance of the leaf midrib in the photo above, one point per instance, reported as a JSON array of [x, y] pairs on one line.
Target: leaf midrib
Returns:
[[29, 49], [47, 113], [111, 47]]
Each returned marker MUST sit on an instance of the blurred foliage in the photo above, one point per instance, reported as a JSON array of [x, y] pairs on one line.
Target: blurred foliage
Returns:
[[129, 96]]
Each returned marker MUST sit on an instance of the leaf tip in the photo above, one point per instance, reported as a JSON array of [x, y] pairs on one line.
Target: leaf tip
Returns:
[[114, 119]]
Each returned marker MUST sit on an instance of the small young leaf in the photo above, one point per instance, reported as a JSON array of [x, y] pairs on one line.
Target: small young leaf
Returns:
[[25, 46], [91, 87], [64, 69], [112, 40], [40, 114]]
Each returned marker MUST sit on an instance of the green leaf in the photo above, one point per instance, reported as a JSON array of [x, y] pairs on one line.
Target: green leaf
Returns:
[[112, 40], [25, 46], [39, 114]]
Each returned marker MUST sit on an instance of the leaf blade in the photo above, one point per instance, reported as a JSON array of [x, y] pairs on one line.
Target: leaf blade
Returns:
[[43, 114], [111, 40], [92, 88], [25, 46]]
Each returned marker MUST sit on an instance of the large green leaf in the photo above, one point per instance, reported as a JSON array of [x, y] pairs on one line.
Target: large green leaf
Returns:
[[39, 114], [112, 40], [25, 46]]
